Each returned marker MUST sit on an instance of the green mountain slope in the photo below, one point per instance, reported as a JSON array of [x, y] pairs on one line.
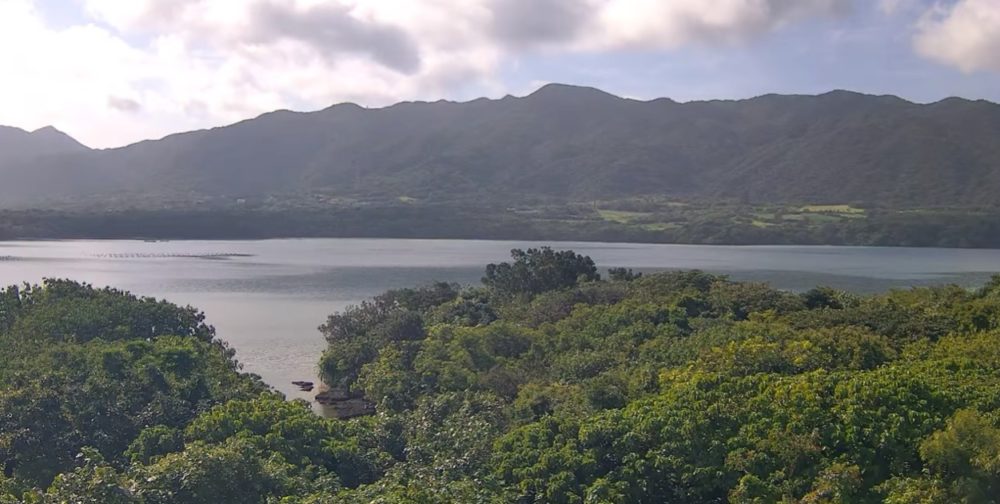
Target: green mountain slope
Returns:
[[566, 143]]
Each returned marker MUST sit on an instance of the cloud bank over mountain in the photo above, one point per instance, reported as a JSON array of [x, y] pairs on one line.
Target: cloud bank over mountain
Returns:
[[112, 72], [965, 34]]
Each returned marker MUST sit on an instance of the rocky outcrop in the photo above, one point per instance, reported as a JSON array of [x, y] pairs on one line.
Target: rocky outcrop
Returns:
[[343, 405], [305, 386]]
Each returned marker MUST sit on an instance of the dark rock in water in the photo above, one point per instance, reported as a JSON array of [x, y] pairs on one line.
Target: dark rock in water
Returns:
[[351, 408], [305, 386], [343, 406], [332, 395]]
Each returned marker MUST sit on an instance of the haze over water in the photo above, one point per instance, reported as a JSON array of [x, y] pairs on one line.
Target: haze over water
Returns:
[[267, 298]]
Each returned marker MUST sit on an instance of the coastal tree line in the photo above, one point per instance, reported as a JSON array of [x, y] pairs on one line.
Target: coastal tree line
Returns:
[[551, 381]]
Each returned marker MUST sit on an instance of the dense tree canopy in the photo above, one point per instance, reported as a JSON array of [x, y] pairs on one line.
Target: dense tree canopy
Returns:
[[534, 271], [544, 385]]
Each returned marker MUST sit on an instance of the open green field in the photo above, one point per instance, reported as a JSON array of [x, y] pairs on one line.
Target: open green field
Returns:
[[626, 220], [652, 215], [622, 217], [837, 209]]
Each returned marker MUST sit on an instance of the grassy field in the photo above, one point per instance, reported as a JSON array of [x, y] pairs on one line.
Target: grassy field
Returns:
[[661, 226], [624, 221], [667, 216], [833, 209], [623, 217], [647, 221]]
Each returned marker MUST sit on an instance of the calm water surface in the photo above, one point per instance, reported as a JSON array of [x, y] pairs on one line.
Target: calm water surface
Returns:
[[268, 297]]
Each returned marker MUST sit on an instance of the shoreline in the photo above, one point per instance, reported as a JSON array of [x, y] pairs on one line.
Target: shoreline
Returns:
[[9, 241]]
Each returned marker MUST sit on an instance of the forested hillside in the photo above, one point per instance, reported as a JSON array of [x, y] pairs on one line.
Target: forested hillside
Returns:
[[550, 382], [561, 143]]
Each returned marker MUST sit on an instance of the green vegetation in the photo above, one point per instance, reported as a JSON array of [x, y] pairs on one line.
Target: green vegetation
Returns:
[[622, 217], [644, 220], [835, 209], [559, 144], [109, 398], [565, 163], [546, 383]]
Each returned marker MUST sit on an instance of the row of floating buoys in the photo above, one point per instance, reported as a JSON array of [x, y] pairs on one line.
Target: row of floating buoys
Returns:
[[167, 255]]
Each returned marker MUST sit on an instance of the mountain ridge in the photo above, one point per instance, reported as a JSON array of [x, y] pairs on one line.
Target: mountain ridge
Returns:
[[564, 142], [46, 137], [667, 99]]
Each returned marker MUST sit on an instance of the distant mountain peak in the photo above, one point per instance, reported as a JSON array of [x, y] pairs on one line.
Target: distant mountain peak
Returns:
[[842, 93], [47, 130], [954, 100], [59, 140], [18, 144], [12, 130], [567, 90], [345, 106]]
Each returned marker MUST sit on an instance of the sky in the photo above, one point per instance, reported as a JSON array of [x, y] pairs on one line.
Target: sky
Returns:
[[113, 72]]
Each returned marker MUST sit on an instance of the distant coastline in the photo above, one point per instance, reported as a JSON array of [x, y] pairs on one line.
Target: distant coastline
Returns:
[[705, 224]]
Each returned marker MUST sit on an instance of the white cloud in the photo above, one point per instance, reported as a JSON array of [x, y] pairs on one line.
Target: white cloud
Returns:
[[63, 77], [965, 34], [660, 24], [145, 68], [898, 6]]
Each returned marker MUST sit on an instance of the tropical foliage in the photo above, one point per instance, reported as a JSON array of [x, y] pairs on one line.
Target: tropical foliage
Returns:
[[545, 384]]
